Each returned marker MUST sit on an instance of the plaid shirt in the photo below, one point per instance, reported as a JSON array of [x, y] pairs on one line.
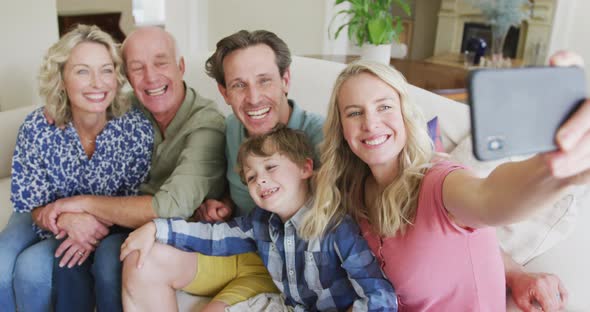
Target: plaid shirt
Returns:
[[332, 273]]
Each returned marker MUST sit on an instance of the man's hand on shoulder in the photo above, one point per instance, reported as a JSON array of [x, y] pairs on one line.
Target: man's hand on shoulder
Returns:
[[50, 119]]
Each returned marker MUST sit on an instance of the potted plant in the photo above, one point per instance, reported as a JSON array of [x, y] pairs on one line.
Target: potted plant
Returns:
[[372, 26]]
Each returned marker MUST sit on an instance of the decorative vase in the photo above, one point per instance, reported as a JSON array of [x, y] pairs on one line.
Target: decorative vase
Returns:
[[475, 49], [378, 53], [499, 33]]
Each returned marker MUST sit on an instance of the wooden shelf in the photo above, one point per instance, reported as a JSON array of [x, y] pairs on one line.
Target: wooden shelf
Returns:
[[456, 60], [435, 77]]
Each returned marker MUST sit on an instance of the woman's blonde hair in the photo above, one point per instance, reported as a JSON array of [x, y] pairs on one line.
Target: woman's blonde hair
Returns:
[[51, 82], [341, 178]]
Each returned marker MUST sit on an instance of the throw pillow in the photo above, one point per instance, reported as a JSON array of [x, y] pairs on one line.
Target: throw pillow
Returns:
[[530, 238], [434, 133]]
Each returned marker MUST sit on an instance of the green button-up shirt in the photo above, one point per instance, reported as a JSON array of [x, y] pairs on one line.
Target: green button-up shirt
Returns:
[[188, 161]]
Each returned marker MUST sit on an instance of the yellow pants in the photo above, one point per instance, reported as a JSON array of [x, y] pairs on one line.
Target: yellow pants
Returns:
[[231, 279]]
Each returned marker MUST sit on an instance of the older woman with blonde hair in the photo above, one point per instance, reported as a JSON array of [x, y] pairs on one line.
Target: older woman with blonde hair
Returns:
[[98, 145], [427, 220]]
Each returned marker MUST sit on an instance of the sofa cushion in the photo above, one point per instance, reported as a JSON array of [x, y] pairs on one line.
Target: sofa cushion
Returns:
[[188, 302], [5, 204], [453, 117], [570, 259], [10, 122], [527, 239]]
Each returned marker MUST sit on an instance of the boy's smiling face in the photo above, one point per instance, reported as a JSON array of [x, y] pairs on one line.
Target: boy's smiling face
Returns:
[[277, 184]]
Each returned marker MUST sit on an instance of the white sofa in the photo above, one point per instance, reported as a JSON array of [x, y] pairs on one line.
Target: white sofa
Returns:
[[311, 85]]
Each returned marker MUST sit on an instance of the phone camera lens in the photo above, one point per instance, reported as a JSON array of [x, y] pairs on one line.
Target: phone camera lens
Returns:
[[495, 144]]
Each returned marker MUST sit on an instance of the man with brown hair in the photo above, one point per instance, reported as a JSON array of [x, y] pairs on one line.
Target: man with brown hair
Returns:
[[253, 75]]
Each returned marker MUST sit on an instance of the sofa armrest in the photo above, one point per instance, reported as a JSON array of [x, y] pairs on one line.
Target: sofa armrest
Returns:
[[10, 121], [453, 117]]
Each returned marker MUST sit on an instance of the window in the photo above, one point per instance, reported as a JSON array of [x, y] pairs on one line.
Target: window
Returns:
[[149, 12]]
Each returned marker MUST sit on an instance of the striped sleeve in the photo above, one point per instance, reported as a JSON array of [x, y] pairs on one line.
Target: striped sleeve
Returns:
[[213, 239], [374, 290]]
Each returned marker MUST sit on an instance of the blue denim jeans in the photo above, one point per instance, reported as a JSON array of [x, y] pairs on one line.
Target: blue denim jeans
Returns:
[[26, 264], [96, 281]]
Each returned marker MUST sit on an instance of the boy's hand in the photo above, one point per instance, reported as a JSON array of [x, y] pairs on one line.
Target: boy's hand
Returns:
[[212, 211], [142, 240]]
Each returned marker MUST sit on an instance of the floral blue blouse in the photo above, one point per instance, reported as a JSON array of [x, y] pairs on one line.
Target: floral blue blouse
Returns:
[[49, 163]]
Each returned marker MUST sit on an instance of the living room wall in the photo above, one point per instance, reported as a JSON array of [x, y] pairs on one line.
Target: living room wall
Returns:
[[198, 25], [571, 30], [28, 28], [301, 25], [425, 16]]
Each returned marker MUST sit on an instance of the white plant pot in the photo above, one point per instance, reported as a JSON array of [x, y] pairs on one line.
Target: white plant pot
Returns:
[[399, 50], [378, 53]]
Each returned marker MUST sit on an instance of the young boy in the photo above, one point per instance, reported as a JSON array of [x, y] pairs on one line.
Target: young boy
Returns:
[[334, 272]]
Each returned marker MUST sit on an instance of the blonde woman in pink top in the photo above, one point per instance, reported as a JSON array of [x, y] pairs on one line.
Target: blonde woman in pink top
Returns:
[[429, 221]]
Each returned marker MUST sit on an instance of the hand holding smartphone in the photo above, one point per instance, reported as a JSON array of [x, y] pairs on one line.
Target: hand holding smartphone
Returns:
[[518, 111]]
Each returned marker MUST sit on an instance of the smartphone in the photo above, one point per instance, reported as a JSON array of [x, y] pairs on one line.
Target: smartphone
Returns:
[[517, 111]]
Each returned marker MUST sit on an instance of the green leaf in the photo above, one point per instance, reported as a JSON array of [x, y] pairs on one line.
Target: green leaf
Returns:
[[397, 29], [371, 20], [339, 30], [349, 12], [405, 6], [378, 31], [344, 12]]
